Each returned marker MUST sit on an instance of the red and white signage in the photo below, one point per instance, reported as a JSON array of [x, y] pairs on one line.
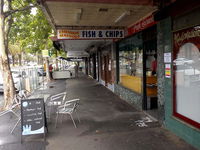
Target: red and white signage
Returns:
[[141, 25], [90, 34]]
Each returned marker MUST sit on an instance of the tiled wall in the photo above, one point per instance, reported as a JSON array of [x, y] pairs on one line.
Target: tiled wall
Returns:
[[161, 48], [128, 95]]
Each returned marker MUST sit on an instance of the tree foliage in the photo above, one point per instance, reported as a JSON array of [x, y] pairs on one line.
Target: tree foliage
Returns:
[[31, 30], [19, 25]]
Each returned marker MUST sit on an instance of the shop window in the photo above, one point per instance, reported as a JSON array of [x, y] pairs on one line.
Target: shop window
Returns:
[[186, 64], [131, 63]]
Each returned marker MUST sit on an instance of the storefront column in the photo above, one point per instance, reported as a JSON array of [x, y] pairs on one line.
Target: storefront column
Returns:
[[94, 66], [86, 66], [163, 46]]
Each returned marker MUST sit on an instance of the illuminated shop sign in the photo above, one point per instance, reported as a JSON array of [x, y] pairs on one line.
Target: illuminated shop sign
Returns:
[[141, 25], [89, 34]]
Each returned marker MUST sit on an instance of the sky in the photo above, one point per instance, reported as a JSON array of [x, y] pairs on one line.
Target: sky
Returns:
[[34, 11]]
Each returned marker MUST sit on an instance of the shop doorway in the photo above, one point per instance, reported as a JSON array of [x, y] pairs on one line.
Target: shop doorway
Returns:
[[106, 72], [150, 100]]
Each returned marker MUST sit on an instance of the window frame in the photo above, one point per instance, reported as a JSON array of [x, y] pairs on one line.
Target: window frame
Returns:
[[175, 52]]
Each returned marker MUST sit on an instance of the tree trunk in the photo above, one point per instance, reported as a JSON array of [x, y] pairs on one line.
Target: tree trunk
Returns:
[[38, 59], [9, 90], [20, 59], [13, 60], [47, 69]]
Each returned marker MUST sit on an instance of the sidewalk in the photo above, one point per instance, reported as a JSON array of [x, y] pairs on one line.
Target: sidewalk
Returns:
[[107, 123]]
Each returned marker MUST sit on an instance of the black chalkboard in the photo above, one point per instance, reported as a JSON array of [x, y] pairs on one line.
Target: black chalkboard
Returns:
[[32, 116]]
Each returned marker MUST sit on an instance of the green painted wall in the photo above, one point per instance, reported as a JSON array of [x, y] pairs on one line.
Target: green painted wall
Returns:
[[180, 128]]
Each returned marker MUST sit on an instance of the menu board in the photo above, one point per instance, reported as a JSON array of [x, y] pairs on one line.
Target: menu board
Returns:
[[32, 116]]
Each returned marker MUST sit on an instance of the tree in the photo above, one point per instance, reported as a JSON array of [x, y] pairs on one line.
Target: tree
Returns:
[[31, 31], [7, 9], [15, 50]]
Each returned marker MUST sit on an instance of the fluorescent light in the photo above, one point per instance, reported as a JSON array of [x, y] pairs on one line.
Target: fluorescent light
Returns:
[[79, 15], [122, 16]]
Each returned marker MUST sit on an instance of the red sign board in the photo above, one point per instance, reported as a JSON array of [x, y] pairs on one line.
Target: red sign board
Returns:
[[141, 25]]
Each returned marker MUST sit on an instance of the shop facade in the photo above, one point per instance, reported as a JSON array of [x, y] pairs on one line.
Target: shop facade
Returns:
[[106, 64], [91, 64], [137, 73], [100, 64], [179, 49]]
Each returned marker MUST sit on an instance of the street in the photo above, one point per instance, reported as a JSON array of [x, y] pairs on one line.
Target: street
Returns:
[[106, 123], [1, 98], [25, 78]]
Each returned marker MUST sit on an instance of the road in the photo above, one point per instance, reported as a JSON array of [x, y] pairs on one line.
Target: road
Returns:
[[30, 76], [1, 98]]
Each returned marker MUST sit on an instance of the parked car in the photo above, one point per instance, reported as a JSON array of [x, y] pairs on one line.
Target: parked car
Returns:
[[182, 61], [16, 79], [41, 72]]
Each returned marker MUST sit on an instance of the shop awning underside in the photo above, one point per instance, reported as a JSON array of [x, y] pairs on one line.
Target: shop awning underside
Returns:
[[90, 14]]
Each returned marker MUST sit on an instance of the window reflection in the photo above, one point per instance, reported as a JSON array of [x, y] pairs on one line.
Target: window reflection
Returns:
[[187, 65], [131, 62]]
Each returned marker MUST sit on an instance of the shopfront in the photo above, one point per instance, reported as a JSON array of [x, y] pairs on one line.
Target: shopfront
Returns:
[[186, 65], [179, 36], [106, 66], [137, 76]]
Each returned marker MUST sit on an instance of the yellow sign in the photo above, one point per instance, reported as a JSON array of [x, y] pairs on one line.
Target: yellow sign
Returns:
[[69, 34], [167, 70], [45, 53]]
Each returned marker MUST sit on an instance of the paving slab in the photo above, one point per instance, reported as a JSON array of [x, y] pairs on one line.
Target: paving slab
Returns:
[[107, 123]]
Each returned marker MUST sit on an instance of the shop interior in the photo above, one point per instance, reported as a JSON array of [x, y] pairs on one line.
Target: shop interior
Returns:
[[150, 71]]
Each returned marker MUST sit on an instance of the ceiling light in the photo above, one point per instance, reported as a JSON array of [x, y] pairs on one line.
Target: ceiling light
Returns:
[[122, 16], [79, 15]]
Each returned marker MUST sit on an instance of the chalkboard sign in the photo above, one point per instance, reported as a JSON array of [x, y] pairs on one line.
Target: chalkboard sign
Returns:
[[33, 116]]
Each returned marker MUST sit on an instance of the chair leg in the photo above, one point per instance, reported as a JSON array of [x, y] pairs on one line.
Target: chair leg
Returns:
[[5, 112], [73, 120], [50, 113], [14, 113], [15, 125], [56, 120], [62, 118], [78, 116]]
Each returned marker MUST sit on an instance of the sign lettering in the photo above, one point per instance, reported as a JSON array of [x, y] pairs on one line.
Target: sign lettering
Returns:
[[89, 34], [32, 116], [141, 25]]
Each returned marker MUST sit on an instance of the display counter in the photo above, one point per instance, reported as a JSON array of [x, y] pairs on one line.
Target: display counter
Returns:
[[151, 84], [134, 83]]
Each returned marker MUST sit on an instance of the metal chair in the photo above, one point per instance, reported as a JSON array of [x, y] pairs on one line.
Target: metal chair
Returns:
[[14, 109], [24, 94], [15, 104], [56, 100], [68, 108]]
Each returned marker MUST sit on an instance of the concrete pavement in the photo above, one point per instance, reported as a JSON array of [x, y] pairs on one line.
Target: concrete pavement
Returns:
[[107, 123]]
